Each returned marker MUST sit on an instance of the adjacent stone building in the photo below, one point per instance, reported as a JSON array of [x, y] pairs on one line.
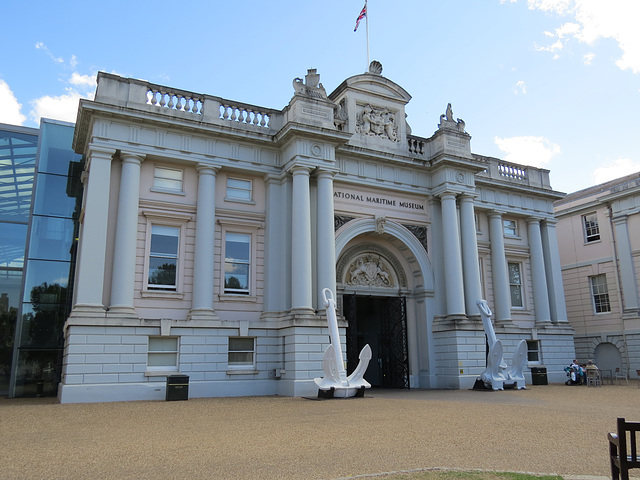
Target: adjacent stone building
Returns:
[[598, 229], [210, 227]]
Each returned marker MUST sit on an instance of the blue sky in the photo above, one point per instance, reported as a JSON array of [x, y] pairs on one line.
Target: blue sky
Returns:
[[549, 83]]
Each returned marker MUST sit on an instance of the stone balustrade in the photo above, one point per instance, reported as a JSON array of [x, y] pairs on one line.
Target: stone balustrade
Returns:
[[173, 99], [514, 173], [244, 114]]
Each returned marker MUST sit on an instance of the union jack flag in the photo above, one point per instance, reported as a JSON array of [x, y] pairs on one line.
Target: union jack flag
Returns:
[[363, 13]]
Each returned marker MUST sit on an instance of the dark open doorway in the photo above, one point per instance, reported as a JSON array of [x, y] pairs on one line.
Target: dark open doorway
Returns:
[[380, 322]]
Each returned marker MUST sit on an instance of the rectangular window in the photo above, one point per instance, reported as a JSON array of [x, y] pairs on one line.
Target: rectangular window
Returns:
[[163, 257], [533, 351], [600, 293], [238, 189], [167, 179], [515, 284], [241, 351], [591, 228], [510, 228], [237, 263], [163, 353]]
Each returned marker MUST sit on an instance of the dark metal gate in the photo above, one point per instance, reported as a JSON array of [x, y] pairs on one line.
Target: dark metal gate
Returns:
[[381, 322]]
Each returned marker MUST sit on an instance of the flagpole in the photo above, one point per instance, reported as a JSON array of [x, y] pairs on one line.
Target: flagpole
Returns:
[[367, 20]]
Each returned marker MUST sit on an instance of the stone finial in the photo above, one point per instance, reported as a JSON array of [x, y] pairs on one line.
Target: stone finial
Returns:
[[447, 121], [311, 87], [375, 67]]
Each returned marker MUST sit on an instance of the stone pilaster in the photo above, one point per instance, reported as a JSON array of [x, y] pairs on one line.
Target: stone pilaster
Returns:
[[501, 294], [325, 236], [472, 288], [557, 304], [452, 256], [538, 273], [301, 266]]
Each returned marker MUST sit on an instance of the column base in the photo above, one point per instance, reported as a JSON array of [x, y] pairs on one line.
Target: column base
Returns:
[[203, 314], [91, 310], [122, 312]]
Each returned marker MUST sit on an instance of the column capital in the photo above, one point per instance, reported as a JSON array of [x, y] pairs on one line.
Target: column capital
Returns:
[[445, 195], [207, 169], [301, 170], [129, 157], [467, 197], [325, 173], [495, 213], [550, 222], [533, 221], [620, 219]]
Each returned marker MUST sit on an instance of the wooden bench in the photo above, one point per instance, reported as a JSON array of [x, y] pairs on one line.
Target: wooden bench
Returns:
[[623, 450]]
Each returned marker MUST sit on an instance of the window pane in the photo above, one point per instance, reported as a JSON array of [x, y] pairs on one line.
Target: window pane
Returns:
[[240, 358], [237, 247], [239, 189], [162, 271], [162, 359], [46, 277], [236, 276], [51, 196], [168, 178], [163, 344], [51, 238], [245, 344], [12, 244], [56, 152], [164, 240]]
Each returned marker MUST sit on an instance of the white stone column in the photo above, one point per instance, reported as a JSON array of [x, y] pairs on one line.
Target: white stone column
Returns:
[[557, 304], [325, 236], [92, 246], [538, 274], [202, 304], [124, 250], [501, 293], [452, 255], [471, 264], [625, 263], [301, 267]]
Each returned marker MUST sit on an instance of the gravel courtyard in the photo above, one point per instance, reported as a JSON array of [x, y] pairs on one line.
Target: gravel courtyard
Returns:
[[545, 429]]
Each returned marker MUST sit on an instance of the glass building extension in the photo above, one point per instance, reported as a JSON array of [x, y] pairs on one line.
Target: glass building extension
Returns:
[[44, 278]]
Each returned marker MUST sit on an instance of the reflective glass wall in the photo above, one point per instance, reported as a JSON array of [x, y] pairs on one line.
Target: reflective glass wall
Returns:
[[18, 148], [49, 265]]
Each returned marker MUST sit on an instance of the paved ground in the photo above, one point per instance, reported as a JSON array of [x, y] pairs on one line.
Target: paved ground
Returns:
[[545, 429]]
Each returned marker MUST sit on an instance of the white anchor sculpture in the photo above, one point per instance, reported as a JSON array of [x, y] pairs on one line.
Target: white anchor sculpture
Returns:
[[497, 374], [335, 377]]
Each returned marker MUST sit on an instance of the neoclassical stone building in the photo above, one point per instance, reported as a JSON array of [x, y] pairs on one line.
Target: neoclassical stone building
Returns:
[[600, 254], [210, 227]]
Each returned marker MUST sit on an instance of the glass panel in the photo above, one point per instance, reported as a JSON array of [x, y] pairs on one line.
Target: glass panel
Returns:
[[240, 358], [245, 344], [162, 271], [51, 238], [55, 149], [237, 247], [10, 284], [46, 277], [168, 178], [240, 189], [12, 244], [163, 359], [38, 372], [164, 240], [514, 273], [42, 324], [516, 296], [51, 197], [163, 344], [236, 276], [17, 166]]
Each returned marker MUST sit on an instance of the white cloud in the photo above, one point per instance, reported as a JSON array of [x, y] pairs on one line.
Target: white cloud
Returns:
[[588, 58], [597, 19], [84, 80], [43, 47], [615, 169], [63, 107], [527, 150], [520, 87], [10, 111]]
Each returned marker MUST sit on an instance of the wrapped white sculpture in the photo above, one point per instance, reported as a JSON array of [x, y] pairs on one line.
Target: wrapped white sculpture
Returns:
[[335, 378], [497, 374]]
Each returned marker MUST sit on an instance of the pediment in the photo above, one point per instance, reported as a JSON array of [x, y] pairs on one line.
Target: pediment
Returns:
[[374, 85]]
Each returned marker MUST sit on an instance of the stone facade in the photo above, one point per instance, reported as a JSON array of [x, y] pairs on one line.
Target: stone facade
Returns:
[[600, 253], [210, 228]]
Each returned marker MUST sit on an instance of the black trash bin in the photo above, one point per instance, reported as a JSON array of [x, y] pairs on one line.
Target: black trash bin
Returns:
[[539, 376], [177, 387]]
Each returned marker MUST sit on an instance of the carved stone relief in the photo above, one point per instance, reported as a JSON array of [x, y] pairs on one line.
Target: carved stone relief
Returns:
[[370, 270], [340, 115], [420, 233], [370, 265], [311, 86], [447, 121], [339, 220], [377, 122]]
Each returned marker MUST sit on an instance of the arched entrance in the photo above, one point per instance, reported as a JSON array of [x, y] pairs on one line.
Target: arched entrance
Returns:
[[381, 323], [385, 291]]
